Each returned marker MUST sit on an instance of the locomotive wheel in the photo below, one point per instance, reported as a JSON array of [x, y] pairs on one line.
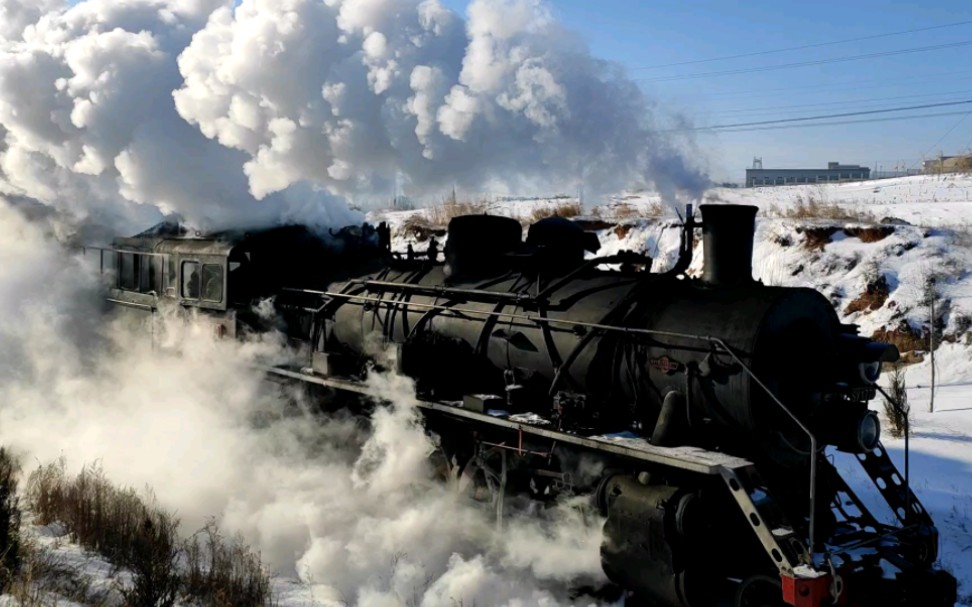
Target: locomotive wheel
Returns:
[[760, 591]]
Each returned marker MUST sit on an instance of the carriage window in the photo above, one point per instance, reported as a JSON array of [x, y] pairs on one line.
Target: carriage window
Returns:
[[171, 278], [139, 272], [128, 271], [190, 280], [212, 283], [150, 274]]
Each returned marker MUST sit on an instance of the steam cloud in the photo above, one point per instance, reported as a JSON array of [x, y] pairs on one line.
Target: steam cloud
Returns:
[[114, 114], [242, 115], [348, 507]]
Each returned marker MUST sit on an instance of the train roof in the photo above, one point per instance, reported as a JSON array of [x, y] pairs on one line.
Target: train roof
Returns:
[[176, 238]]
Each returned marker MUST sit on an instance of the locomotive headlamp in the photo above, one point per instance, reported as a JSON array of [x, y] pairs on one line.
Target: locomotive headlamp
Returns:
[[870, 372], [861, 359], [868, 432], [850, 427]]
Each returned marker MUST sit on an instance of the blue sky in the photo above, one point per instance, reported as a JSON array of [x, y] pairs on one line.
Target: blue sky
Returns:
[[639, 33]]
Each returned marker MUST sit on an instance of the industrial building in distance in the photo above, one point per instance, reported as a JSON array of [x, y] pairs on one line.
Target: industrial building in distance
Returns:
[[835, 172]]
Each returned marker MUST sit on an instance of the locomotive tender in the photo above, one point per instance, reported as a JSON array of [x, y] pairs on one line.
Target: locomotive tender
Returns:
[[710, 404]]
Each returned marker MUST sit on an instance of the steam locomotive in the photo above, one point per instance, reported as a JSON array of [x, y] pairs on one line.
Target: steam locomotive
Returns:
[[710, 404]]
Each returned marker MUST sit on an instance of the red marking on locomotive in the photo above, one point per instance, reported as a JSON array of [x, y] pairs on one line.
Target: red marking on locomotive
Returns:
[[665, 365]]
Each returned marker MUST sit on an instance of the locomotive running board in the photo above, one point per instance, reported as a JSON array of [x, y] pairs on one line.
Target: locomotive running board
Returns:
[[739, 475], [691, 459]]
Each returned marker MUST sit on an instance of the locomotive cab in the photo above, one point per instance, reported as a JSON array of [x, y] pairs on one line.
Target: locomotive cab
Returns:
[[221, 275]]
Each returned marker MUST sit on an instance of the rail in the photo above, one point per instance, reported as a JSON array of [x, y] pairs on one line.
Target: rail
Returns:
[[718, 342]]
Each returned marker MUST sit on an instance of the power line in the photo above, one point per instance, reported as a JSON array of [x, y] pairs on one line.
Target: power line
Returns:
[[781, 66], [947, 133], [843, 85], [840, 115], [837, 122], [844, 102], [802, 47]]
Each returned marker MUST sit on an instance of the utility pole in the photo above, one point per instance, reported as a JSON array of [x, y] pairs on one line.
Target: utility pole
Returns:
[[931, 343]]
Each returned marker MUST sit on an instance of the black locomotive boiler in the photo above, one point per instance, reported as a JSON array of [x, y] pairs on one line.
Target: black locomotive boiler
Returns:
[[711, 403]]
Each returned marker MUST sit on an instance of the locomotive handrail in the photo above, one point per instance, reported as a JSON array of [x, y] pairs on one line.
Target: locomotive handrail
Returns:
[[633, 330], [434, 290], [499, 295]]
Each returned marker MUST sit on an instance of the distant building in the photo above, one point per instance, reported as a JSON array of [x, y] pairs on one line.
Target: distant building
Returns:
[[834, 172], [948, 164]]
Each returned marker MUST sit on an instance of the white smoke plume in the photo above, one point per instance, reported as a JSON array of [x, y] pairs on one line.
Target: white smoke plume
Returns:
[[345, 505], [117, 113], [349, 93], [268, 110], [88, 124]]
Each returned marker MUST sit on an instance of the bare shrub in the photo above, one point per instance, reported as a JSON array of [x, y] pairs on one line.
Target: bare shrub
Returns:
[[115, 522], [45, 578], [811, 209], [10, 515], [896, 408], [626, 211], [221, 573], [153, 561], [134, 533], [441, 215], [419, 227], [564, 209]]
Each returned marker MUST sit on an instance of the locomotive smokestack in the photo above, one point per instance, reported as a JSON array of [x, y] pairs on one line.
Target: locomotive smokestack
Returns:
[[727, 241]]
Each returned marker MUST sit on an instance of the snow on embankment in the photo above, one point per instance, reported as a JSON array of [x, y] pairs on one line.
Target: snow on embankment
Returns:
[[928, 200]]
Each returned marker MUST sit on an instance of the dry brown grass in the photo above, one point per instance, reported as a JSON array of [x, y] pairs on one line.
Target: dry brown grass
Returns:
[[128, 531], [811, 209], [564, 209], [420, 228], [46, 579], [626, 211], [224, 573], [10, 515], [441, 214], [135, 533]]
